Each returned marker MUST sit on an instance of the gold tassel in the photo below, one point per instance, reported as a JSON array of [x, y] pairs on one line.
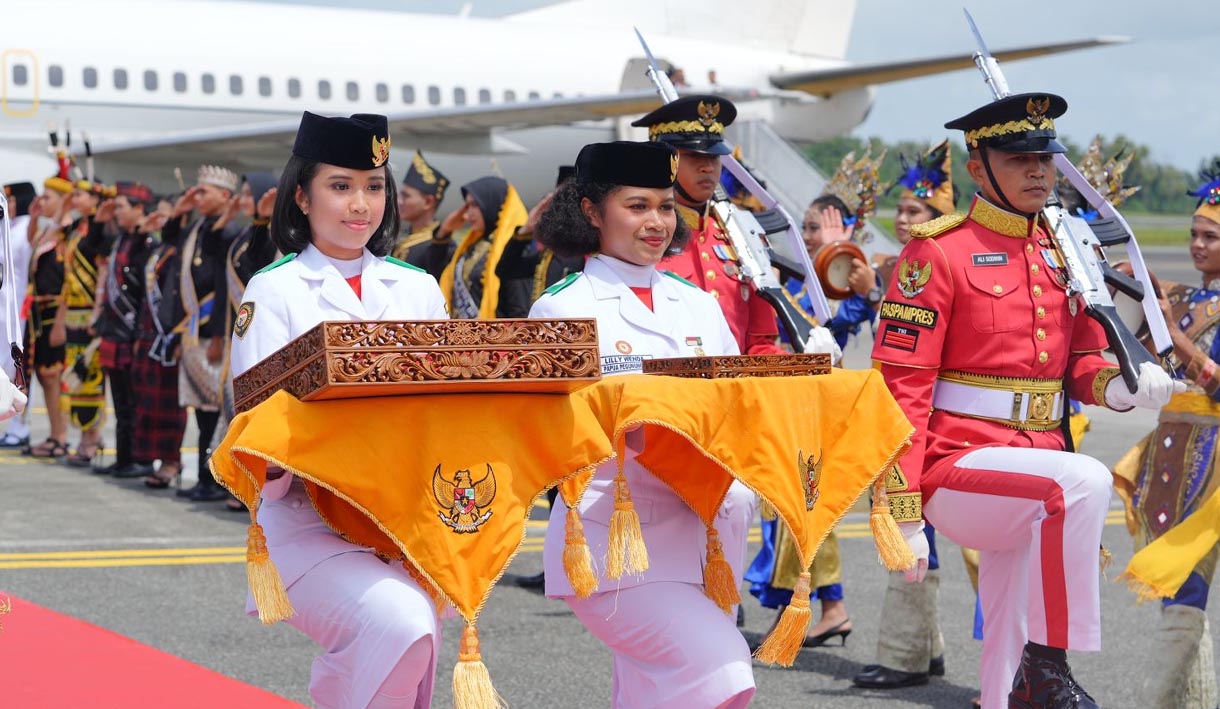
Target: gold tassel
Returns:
[[577, 559], [785, 641], [718, 582], [471, 682], [625, 550], [892, 548], [266, 586]]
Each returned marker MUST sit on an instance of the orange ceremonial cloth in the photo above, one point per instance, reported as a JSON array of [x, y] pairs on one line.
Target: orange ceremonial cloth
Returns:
[[809, 446], [444, 480]]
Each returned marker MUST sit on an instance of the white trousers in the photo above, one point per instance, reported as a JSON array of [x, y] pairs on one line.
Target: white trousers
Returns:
[[672, 647], [378, 630], [1036, 516]]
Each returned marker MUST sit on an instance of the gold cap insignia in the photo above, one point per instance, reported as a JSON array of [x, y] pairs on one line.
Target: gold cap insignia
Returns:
[[673, 167], [381, 150], [424, 169], [708, 114], [1036, 108]]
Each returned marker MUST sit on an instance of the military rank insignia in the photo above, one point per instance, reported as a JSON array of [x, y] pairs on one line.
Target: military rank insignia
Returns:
[[463, 500], [245, 316], [913, 277], [811, 477]]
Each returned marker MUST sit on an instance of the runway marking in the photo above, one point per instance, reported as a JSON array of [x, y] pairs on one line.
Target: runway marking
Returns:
[[113, 558]]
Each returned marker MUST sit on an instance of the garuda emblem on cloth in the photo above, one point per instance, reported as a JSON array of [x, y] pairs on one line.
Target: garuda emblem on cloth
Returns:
[[811, 474], [913, 276], [381, 151], [463, 500]]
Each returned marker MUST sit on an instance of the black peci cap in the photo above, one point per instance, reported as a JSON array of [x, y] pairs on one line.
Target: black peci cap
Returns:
[[361, 142], [694, 123], [425, 178], [627, 163], [20, 196], [566, 172], [1021, 123]]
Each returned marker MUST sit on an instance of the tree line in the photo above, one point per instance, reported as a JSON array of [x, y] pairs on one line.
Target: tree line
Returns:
[[1163, 188]]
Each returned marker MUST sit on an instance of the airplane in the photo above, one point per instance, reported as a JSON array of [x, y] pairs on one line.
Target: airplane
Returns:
[[225, 82]]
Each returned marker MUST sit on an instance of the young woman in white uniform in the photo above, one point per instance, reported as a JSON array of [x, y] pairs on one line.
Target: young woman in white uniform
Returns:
[[673, 647], [336, 218]]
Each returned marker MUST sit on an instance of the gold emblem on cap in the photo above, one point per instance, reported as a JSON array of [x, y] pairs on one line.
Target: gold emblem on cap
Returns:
[[424, 169], [381, 150], [1036, 108], [707, 114], [673, 167]]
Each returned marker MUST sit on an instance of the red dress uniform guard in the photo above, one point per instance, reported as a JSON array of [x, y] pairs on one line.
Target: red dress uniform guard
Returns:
[[978, 329], [694, 125]]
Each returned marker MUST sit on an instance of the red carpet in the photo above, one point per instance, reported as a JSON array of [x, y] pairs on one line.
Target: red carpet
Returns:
[[49, 660]]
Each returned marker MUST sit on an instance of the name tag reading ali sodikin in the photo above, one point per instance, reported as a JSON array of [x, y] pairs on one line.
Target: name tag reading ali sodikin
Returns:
[[999, 259]]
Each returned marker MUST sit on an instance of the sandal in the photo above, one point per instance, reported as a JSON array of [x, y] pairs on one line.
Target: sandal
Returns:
[[160, 480], [49, 448], [83, 460]]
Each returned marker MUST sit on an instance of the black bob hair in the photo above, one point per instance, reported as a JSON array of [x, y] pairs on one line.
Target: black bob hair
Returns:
[[564, 228], [290, 230]]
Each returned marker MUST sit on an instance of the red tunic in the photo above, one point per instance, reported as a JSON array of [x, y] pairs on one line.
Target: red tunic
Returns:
[[708, 262], [982, 297]]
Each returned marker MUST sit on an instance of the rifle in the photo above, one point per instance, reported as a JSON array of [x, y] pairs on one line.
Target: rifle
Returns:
[[749, 233], [1081, 242]]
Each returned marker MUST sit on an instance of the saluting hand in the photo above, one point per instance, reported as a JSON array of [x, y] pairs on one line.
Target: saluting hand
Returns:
[[455, 220], [832, 226], [105, 211], [535, 214], [266, 204], [186, 202]]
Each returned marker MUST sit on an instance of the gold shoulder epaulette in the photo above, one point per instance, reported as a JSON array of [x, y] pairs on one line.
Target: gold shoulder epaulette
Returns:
[[938, 226]]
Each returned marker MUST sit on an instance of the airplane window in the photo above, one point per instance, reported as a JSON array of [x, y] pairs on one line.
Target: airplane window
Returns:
[[353, 91], [90, 77], [324, 90], [510, 95], [294, 88], [264, 86], [20, 74], [179, 82], [120, 79], [235, 86], [534, 96], [55, 75], [150, 80], [207, 82], [383, 93], [484, 95], [408, 93], [434, 95], [459, 96]]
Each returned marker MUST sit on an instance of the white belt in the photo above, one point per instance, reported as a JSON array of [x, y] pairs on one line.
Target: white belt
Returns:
[[1020, 409]]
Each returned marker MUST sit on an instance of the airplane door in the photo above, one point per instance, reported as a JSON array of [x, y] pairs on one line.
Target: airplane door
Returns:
[[19, 83]]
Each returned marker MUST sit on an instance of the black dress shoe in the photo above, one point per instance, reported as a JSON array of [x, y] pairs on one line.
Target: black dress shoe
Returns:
[[209, 493], [1043, 683], [187, 491], [538, 580], [130, 470], [881, 677]]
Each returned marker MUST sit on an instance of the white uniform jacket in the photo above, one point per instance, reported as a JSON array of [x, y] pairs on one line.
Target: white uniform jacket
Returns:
[[287, 301], [685, 322]]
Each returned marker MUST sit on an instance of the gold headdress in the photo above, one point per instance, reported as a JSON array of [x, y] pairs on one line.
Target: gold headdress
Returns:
[[1106, 176], [930, 179], [857, 182]]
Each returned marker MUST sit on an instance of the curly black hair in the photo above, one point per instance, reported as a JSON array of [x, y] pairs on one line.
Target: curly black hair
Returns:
[[289, 227], [564, 228]]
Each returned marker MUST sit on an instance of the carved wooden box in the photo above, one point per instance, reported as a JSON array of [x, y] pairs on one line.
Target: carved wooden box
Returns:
[[342, 360], [729, 366]]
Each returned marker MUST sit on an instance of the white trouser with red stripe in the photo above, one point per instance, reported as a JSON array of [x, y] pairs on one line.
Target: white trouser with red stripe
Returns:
[[1036, 516]]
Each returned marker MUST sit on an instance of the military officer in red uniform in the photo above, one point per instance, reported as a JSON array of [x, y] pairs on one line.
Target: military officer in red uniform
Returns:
[[694, 125], [978, 329]]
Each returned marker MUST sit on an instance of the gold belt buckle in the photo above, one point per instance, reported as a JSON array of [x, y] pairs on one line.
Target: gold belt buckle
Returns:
[[1041, 408]]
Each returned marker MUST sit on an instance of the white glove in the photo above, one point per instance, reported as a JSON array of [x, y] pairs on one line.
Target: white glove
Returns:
[[12, 401], [918, 541], [1153, 390], [822, 342]]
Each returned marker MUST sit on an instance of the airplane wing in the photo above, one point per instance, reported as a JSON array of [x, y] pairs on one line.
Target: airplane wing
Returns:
[[825, 82], [458, 129]]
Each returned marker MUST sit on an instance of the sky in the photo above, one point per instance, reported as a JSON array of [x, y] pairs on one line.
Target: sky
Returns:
[[1160, 90]]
